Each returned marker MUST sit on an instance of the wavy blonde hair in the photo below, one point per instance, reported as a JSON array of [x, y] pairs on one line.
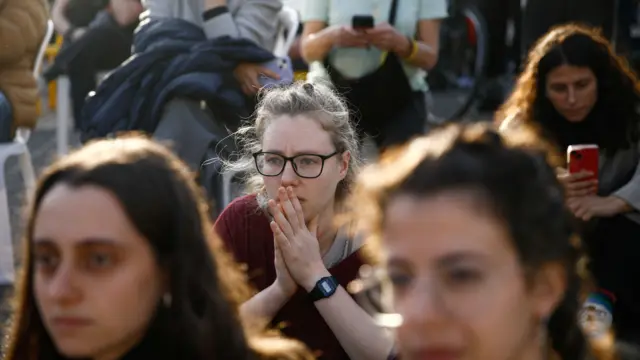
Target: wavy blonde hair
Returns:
[[319, 102]]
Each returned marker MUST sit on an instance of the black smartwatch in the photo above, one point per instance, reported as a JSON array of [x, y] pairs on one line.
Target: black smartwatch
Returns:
[[324, 288]]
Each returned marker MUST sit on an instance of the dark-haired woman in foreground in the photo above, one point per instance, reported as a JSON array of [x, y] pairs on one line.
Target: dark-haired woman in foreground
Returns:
[[119, 264], [477, 247], [576, 90]]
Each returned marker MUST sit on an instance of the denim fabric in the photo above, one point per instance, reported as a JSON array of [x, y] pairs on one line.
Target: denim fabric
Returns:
[[6, 116]]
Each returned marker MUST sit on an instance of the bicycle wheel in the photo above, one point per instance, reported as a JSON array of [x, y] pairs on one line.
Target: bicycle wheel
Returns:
[[455, 81]]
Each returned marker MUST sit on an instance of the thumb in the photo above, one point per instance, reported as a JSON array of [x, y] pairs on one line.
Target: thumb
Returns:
[[269, 73], [313, 225]]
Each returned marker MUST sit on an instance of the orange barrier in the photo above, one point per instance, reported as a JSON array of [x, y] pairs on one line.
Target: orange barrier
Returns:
[[50, 55]]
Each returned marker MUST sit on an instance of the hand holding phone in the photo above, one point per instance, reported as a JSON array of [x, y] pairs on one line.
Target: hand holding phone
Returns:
[[583, 158], [362, 22], [581, 177], [347, 37], [280, 66]]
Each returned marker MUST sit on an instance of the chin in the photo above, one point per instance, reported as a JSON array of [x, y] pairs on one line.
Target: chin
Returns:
[[76, 349], [576, 117]]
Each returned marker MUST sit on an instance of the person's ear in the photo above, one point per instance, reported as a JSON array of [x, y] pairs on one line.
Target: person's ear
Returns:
[[345, 159], [548, 289]]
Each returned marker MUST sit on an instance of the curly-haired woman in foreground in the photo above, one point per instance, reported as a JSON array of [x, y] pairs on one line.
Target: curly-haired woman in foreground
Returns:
[[476, 245]]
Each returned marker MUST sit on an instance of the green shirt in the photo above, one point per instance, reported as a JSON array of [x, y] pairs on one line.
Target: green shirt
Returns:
[[357, 62]]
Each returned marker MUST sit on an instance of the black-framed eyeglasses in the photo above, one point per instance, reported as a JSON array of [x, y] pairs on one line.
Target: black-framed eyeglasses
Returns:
[[308, 166]]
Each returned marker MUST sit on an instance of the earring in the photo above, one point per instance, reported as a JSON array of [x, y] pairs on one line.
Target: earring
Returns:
[[167, 299]]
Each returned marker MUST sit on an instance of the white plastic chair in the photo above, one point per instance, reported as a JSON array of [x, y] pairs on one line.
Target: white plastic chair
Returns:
[[288, 23], [18, 147], [64, 114]]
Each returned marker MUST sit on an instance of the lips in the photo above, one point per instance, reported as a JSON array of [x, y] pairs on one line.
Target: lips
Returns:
[[70, 323], [435, 354]]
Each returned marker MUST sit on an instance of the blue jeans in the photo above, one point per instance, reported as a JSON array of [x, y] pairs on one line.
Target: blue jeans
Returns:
[[6, 116]]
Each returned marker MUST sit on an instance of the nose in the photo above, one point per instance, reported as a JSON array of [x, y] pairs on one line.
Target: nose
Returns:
[[571, 95], [62, 287], [422, 308], [289, 176]]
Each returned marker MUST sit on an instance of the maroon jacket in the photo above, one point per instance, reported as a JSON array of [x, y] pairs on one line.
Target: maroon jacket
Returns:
[[245, 230]]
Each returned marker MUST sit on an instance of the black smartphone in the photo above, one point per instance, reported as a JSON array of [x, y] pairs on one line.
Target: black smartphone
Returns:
[[361, 22]]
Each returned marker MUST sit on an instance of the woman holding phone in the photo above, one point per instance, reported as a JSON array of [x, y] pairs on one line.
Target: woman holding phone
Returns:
[[376, 53], [576, 91]]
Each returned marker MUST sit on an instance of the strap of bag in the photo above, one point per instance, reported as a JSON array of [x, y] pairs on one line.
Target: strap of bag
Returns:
[[392, 13]]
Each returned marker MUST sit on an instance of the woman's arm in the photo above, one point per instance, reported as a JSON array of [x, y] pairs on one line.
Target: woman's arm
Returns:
[[428, 43], [125, 12], [60, 22], [263, 306], [430, 12], [316, 40], [629, 194], [356, 331]]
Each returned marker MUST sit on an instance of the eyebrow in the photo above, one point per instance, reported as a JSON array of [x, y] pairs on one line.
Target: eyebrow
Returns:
[[93, 241], [585, 78], [303, 152], [457, 257], [445, 261]]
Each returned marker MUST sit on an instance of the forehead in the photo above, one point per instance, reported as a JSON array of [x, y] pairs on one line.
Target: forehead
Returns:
[[569, 74], [69, 215], [429, 228], [299, 133]]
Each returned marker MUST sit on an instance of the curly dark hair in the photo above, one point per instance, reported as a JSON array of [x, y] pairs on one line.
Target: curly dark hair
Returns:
[[613, 122], [160, 197], [512, 175]]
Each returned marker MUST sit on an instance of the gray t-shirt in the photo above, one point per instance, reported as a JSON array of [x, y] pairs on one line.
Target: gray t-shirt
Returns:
[[253, 20], [341, 248]]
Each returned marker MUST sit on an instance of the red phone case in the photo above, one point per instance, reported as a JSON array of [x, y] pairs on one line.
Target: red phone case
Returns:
[[583, 158]]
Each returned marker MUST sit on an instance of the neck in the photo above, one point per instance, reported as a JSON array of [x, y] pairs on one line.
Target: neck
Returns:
[[537, 346], [326, 229], [536, 352]]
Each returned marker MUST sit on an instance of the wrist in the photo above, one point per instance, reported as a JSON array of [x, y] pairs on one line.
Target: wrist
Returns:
[[211, 4], [278, 295], [404, 47], [331, 35], [619, 204], [315, 276]]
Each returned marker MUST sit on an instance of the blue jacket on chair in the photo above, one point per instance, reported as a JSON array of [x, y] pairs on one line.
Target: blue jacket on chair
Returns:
[[171, 58], [6, 116]]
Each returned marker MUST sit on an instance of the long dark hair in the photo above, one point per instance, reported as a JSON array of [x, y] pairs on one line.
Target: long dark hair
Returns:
[[512, 175], [159, 196], [613, 122]]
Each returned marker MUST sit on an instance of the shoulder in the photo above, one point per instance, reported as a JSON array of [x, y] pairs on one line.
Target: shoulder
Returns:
[[234, 5], [241, 207], [626, 351], [240, 213], [242, 222], [433, 9]]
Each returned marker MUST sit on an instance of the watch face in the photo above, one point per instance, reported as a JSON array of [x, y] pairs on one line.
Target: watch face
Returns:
[[327, 286]]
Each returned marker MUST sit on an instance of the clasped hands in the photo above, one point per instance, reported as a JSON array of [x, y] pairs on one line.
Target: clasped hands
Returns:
[[297, 252], [582, 198], [383, 36]]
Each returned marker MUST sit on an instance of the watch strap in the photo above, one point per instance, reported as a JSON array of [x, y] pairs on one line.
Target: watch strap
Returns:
[[324, 288]]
